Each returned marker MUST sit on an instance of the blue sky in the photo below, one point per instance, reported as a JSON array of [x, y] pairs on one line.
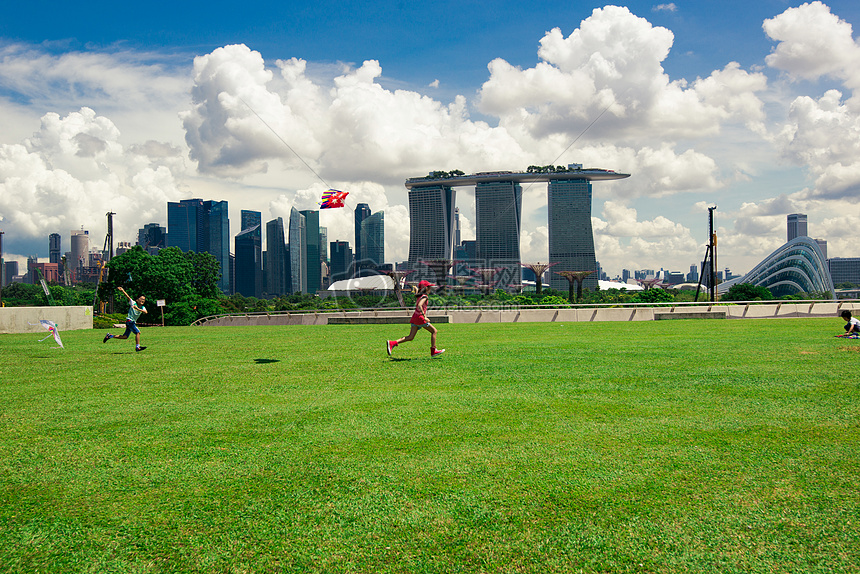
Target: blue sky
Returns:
[[105, 109]]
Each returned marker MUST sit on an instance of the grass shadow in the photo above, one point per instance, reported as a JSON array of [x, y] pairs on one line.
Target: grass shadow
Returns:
[[266, 361]]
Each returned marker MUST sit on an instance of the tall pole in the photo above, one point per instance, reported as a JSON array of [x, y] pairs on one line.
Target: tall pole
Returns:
[[712, 242], [2, 269], [109, 237]]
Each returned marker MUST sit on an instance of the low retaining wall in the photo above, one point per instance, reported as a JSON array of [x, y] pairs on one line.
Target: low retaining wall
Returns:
[[528, 315], [690, 313], [399, 320], [26, 319]]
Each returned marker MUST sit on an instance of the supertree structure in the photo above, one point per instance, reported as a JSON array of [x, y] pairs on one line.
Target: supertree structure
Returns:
[[574, 277], [486, 274], [651, 282], [440, 268], [538, 269]]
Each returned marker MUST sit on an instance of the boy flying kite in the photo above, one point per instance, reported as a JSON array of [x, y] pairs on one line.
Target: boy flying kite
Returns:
[[134, 311]]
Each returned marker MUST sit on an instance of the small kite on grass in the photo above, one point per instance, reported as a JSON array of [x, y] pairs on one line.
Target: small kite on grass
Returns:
[[333, 198], [52, 330]]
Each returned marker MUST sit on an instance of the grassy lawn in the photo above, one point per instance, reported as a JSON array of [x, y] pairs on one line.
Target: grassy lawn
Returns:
[[668, 446]]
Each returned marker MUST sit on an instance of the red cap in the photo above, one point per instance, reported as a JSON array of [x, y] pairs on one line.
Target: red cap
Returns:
[[422, 284]]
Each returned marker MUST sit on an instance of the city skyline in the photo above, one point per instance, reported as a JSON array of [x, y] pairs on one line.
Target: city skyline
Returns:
[[747, 107]]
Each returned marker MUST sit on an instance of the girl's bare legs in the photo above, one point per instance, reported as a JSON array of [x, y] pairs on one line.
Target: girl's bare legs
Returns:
[[412, 330], [433, 330]]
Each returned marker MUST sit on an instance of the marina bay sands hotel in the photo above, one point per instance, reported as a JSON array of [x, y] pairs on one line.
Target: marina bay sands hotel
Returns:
[[498, 210]]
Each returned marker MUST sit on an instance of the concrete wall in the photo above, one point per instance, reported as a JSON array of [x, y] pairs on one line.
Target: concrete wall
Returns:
[[526, 315], [549, 315], [22, 319]]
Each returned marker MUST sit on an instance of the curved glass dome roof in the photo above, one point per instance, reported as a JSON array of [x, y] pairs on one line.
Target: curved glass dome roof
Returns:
[[796, 267]]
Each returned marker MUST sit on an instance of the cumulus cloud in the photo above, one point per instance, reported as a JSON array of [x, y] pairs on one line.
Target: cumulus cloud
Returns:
[[353, 130], [813, 42], [73, 169], [613, 63]]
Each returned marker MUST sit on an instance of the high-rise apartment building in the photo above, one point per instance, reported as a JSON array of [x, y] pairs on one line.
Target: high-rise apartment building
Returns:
[[571, 240], [498, 214], [796, 225]]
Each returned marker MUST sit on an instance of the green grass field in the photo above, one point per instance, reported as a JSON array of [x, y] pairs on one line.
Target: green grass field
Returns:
[[669, 446]]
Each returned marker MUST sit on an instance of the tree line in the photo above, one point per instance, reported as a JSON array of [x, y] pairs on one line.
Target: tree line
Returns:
[[188, 282]]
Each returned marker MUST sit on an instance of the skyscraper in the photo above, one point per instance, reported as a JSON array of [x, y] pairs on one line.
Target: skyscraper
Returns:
[[431, 223], [362, 212], [152, 238], [498, 209], [276, 259], [202, 227], [185, 224], [341, 260], [217, 238], [249, 262], [54, 249], [250, 218], [796, 225], [313, 267], [571, 239], [298, 252], [248, 255], [373, 241]]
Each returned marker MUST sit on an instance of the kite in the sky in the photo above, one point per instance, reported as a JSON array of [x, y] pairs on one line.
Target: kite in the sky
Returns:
[[52, 330], [333, 198]]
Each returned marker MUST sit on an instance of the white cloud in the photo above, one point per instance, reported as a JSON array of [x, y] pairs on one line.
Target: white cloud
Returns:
[[670, 7], [813, 42], [73, 170]]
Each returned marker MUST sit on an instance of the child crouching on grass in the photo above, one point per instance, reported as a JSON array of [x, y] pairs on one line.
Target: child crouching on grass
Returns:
[[852, 325], [419, 321]]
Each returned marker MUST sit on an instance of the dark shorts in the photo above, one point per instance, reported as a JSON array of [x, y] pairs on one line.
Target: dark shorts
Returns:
[[131, 327]]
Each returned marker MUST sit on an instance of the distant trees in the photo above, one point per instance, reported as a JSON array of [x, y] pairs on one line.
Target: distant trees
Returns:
[[549, 169], [446, 174], [188, 281], [747, 292]]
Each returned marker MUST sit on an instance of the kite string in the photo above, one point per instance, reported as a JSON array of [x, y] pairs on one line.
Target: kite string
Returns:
[[582, 133], [284, 142]]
